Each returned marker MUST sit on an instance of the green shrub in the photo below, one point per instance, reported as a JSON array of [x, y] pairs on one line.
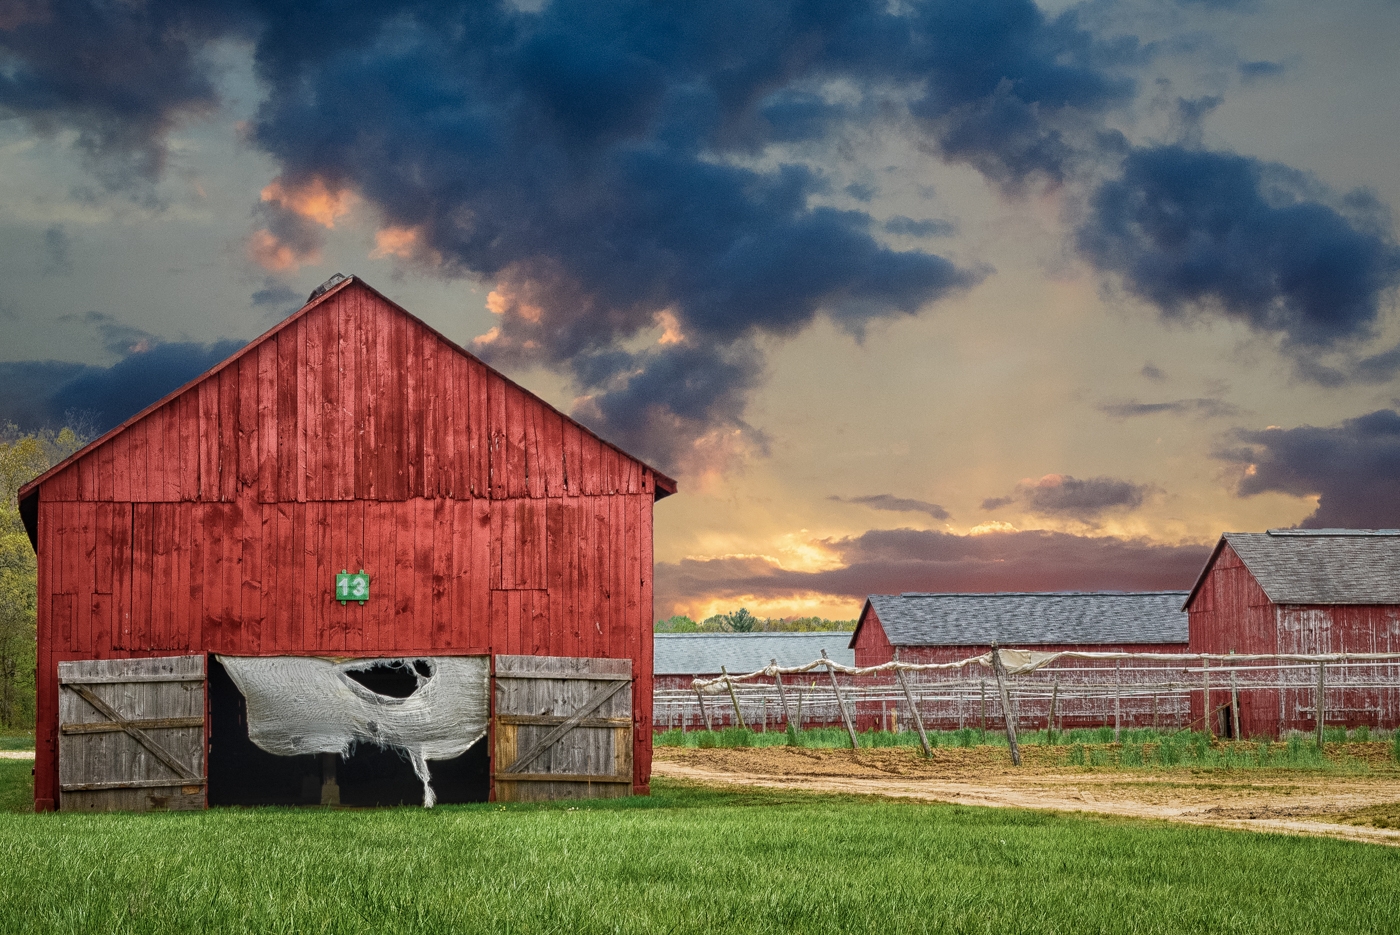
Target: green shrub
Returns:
[[1362, 734], [1076, 755]]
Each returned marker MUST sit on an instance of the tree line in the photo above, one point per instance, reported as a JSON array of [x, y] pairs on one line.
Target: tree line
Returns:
[[23, 457], [742, 621]]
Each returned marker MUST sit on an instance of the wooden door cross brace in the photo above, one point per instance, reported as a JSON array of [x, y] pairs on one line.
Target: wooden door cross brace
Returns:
[[549, 739], [136, 733]]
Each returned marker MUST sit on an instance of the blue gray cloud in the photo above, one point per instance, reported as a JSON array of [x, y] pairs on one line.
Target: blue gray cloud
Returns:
[[1353, 468], [1199, 232]]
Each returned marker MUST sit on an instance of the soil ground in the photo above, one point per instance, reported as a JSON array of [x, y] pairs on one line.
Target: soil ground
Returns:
[[1361, 802]]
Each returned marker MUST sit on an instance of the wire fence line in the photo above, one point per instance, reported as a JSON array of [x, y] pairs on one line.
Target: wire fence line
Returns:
[[1230, 694]]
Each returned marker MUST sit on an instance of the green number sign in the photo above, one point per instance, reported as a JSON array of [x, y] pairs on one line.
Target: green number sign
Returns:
[[350, 587]]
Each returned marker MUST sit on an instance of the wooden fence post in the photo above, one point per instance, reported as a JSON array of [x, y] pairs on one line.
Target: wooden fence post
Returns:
[[1321, 701], [914, 710], [1050, 719], [1117, 699], [1234, 707], [982, 683], [733, 697], [782, 695], [704, 712], [1000, 671], [841, 702], [1205, 695]]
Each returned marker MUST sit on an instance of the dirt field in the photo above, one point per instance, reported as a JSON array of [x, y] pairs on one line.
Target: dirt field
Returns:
[[1358, 805]]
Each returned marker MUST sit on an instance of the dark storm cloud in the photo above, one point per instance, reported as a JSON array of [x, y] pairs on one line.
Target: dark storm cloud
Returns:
[[1063, 495], [1199, 232], [885, 501], [27, 388], [1204, 407], [120, 74], [34, 394], [1352, 467], [1260, 71], [909, 227], [893, 561], [619, 168], [117, 337]]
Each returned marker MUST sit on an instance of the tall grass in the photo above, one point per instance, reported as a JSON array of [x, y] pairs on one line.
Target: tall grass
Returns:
[[1093, 746]]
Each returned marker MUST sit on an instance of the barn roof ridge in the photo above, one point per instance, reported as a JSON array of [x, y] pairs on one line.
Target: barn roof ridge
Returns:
[[1108, 593], [1030, 618], [1326, 567], [322, 294]]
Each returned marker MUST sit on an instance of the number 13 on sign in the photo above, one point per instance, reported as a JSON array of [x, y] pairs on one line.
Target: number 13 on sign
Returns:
[[350, 587]]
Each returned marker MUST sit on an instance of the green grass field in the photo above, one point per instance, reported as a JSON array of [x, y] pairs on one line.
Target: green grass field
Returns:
[[1095, 746], [683, 860]]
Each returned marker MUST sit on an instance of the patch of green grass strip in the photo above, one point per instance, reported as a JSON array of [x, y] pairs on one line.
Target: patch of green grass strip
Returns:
[[684, 860]]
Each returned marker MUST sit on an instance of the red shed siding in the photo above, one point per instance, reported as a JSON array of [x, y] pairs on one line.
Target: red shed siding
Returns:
[[872, 646], [351, 437], [1230, 612]]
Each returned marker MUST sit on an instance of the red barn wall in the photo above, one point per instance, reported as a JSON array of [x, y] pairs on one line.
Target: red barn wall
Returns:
[[352, 437], [1231, 613], [872, 645]]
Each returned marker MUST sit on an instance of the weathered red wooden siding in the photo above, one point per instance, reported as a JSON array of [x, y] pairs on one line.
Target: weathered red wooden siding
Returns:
[[1357, 628], [1230, 612], [872, 646], [352, 436]]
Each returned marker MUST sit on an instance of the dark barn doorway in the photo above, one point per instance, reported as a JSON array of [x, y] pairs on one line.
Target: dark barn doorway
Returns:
[[240, 773]]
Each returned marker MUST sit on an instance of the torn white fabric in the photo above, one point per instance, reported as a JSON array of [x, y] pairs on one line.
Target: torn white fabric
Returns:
[[305, 704], [1021, 661]]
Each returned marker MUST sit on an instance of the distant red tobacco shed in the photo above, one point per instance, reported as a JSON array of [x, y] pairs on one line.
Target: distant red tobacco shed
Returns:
[[1304, 591], [355, 490]]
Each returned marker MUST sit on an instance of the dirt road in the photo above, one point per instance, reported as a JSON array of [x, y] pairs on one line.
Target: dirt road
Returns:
[[1361, 806]]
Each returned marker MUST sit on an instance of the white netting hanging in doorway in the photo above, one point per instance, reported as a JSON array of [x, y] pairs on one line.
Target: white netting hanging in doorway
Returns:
[[306, 704]]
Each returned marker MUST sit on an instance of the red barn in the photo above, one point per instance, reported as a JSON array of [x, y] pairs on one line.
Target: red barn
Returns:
[[200, 593], [933, 628], [1304, 591]]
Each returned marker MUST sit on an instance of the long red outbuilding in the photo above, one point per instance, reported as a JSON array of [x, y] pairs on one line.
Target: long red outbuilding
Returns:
[[1305, 591], [350, 437]]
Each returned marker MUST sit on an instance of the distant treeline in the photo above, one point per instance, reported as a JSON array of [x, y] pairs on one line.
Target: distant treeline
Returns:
[[741, 621]]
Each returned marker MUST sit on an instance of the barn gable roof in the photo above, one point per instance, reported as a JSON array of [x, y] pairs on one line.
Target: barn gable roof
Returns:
[[1031, 618], [704, 653], [29, 492], [1318, 566]]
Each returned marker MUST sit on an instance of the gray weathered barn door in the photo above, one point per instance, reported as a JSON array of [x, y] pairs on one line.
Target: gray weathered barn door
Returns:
[[563, 728], [131, 734]]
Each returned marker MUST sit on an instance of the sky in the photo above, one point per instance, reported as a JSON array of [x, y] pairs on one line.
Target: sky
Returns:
[[908, 296]]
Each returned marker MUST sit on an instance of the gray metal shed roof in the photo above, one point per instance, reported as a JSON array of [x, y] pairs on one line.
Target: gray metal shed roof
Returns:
[[1323, 566], [1032, 618], [704, 653]]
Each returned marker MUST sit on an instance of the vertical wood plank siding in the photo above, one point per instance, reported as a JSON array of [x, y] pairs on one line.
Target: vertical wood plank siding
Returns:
[[1231, 612], [352, 436]]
